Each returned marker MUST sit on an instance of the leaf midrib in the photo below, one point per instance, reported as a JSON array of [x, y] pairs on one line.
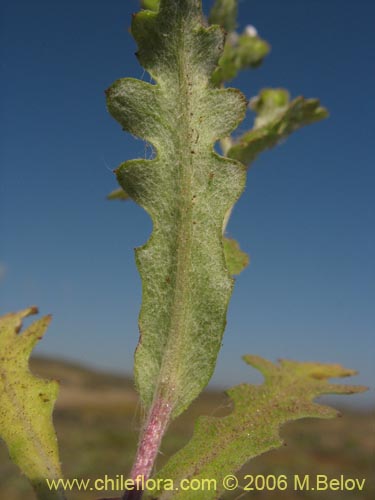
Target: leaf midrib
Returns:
[[169, 378]]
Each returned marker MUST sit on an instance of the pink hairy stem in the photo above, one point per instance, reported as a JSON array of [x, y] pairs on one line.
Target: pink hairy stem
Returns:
[[149, 445]]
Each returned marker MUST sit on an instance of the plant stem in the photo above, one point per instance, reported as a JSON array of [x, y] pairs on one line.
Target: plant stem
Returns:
[[152, 434]]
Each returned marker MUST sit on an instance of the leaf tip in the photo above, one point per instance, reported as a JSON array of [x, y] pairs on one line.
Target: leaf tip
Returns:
[[266, 367]]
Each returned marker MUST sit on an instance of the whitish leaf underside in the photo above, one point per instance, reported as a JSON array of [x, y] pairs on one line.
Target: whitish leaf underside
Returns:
[[187, 190]]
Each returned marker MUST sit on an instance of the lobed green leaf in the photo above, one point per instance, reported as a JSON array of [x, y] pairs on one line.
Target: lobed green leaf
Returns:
[[187, 189], [220, 446], [236, 259], [276, 119], [150, 4], [118, 194], [224, 13], [241, 52], [26, 404]]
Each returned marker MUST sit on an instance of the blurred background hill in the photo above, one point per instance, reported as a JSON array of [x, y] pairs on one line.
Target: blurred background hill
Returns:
[[97, 418]]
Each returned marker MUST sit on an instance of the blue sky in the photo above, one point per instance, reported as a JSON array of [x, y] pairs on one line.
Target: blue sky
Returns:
[[306, 218]]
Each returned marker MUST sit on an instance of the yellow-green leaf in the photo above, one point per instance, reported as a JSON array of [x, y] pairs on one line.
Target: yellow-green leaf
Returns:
[[220, 446], [150, 4], [26, 404], [277, 118]]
